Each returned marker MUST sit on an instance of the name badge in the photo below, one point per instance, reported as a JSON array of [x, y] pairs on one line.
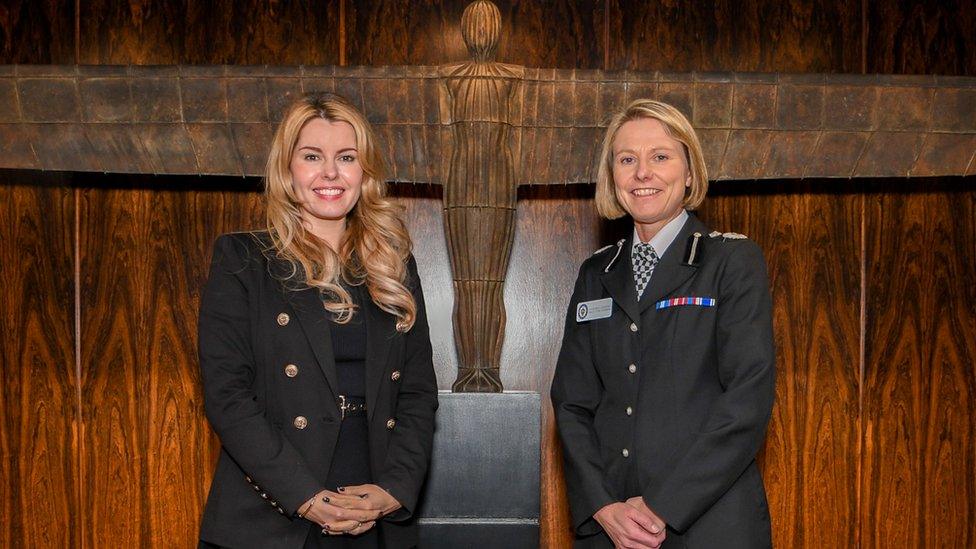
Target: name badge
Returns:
[[594, 310]]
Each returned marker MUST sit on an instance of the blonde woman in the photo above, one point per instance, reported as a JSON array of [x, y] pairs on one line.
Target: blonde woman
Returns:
[[664, 383], [315, 353]]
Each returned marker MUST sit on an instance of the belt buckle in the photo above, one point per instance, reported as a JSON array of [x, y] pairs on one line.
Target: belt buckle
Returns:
[[343, 406]]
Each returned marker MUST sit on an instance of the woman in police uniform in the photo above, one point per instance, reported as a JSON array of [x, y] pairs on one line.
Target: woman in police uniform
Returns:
[[664, 383], [315, 353]]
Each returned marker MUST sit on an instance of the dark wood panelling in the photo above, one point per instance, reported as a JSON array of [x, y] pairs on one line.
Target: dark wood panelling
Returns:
[[38, 458], [148, 451], [811, 243], [249, 32], [919, 37], [918, 486], [765, 35], [561, 34], [33, 31]]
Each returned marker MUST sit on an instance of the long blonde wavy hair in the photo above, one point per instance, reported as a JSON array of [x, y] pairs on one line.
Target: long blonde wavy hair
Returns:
[[375, 246]]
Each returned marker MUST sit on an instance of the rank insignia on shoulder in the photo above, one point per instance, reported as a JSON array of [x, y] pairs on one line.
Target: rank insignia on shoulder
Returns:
[[727, 236]]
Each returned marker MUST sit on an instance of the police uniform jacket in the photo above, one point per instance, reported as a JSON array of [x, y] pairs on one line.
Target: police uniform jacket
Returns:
[[670, 401], [269, 383]]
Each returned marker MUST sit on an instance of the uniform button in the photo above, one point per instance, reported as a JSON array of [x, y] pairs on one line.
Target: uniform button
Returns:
[[291, 370], [390, 423], [301, 422], [256, 487], [625, 452], [248, 479], [630, 411], [280, 510], [264, 495], [632, 368], [633, 327], [283, 319], [395, 376]]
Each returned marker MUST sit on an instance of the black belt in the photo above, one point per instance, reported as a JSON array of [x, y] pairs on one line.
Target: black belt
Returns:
[[347, 408]]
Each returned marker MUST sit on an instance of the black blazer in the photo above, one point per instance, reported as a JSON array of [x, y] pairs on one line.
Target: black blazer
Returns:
[[670, 403], [278, 431]]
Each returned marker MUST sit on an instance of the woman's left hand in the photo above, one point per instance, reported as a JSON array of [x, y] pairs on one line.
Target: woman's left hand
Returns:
[[367, 496]]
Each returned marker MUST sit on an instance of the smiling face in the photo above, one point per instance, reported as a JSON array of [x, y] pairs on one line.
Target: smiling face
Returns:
[[326, 176], [650, 174]]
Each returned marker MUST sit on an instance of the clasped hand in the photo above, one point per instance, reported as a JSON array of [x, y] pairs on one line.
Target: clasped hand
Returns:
[[632, 524], [352, 510]]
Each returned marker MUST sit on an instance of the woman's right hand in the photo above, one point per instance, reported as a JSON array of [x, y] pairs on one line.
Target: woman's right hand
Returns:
[[339, 514]]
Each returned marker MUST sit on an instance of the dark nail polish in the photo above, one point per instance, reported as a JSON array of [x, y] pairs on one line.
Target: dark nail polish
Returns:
[[341, 488], [363, 496], [326, 499]]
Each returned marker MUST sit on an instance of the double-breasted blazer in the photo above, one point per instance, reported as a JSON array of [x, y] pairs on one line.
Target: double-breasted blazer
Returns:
[[670, 400], [270, 382]]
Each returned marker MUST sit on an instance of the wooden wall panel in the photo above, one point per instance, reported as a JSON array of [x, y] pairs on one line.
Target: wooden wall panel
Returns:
[[918, 37], [148, 451], [918, 484], [762, 35], [33, 31], [38, 459], [561, 34], [241, 32], [811, 240]]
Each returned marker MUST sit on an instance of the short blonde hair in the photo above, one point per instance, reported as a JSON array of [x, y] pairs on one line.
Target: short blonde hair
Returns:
[[677, 127], [375, 247]]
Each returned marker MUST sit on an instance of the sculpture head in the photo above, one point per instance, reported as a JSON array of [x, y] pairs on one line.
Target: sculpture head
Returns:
[[481, 25]]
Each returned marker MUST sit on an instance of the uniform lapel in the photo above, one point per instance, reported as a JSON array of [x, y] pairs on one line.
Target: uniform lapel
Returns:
[[670, 272], [380, 329], [619, 281]]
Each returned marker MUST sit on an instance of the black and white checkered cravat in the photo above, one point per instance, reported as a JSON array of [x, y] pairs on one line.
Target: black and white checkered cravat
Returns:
[[644, 258]]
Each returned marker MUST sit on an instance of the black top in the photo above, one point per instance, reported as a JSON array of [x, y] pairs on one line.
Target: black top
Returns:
[[350, 463]]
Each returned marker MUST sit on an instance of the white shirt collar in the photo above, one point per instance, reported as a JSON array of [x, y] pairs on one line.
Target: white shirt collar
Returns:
[[663, 239]]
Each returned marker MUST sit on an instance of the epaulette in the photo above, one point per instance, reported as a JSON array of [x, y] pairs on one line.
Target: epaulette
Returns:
[[727, 236]]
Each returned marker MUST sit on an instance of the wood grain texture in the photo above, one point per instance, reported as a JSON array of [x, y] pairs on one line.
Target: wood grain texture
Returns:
[[765, 35], [38, 419], [249, 32], [148, 452], [37, 32], [562, 34], [810, 237], [918, 37], [918, 487]]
